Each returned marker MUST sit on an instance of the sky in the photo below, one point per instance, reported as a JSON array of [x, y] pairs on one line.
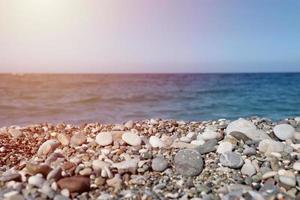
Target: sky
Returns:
[[153, 36]]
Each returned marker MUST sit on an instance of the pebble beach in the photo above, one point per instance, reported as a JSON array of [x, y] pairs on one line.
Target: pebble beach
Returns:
[[247, 158]]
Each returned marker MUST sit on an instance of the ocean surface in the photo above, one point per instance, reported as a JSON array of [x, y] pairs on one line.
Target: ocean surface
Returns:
[[107, 98]]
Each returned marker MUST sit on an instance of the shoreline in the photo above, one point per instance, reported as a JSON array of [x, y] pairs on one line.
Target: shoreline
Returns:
[[253, 158]]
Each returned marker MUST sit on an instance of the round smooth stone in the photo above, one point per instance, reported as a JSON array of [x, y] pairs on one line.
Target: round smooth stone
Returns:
[[284, 131], [104, 138], [131, 139], [156, 142], [159, 164], [231, 160], [188, 162], [78, 139]]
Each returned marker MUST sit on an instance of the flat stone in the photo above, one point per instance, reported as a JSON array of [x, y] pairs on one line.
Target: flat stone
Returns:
[[231, 160], [77, 184], [115, 182], [10, 177], [224, 147], [126, 166], [247, 128], [34, 169], [209, 135], [63, 139], [104, 138], [78, 139], [208, 146], [188, 162], [198, 142], [159, 164], [269, 174], [13, 195], [131, 139], [239, 136], [284, 131], [287, 178], [48, 147], [156, 142]]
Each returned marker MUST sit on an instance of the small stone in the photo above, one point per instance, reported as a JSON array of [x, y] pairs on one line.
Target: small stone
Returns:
[[129, 124], [296, 166], [99, 181], [188, 162], [104, 138], [248, 169], [247, 128], [115, 182], [208, 135], [10, 177], [99, 165], [63, 139], [34, 169], [131, 139], [249, 151], [65, 192], [287, 178], [284, 131], [13, 195], [208, 146], [15, 133], [86, 171], [36, 180], [126, 166], [198, 142], [185, 139], [239, 136], [224, 147], [78, 139], [155, 142], [55, 174], [269, 174], [269, 146], [159, 164], [75, 184], [231, 160], [48, 147]]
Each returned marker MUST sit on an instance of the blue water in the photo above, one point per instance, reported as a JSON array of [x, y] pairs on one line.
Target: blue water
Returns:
[[104, 98]]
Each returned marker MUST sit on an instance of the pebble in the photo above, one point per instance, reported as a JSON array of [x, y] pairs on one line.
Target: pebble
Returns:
[[155, 142], [296, 166], [55, 174], [284, 131], [104, 138], [188, 162], [208, 146], [129, 124], [36, 180], [287, 178], [10, 177], [231, 160], [78, 139], [48, 147], [159, 164], [131, 139], [268, 146], [126, 166], [224, 147], [248, 128], [15, 133], [75, 184], [269, 174], [33, 169], [63, 139], [208, 135], [248, 169], [13, 195]]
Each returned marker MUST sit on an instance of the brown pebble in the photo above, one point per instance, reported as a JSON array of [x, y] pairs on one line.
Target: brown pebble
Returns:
[[75, 184]]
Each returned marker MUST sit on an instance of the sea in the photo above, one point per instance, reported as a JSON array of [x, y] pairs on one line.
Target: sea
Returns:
[[116, 98]]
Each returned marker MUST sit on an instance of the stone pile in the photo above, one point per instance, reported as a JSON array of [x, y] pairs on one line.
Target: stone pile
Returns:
[[251, 158]]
